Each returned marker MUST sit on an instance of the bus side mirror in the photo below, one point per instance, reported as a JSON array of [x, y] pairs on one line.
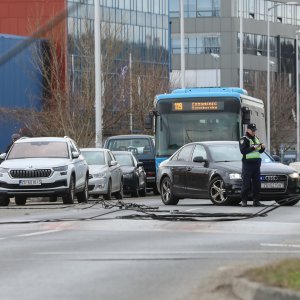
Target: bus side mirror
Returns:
[[245, 115], [148, 124]]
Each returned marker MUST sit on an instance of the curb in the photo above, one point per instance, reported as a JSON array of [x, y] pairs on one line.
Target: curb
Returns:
[[249, 290]]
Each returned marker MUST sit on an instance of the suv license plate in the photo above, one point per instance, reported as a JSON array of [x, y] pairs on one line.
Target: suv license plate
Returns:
[[272, 185], [30, 182]]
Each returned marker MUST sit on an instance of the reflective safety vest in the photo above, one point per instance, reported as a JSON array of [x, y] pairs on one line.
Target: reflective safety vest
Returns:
[[255, 153]]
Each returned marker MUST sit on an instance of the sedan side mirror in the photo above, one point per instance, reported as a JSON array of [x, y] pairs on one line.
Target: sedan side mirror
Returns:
[[113, 163], [276, 158], [199, 159], [2, 156]]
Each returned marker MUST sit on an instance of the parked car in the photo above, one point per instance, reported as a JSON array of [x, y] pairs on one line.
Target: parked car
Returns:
[[106, 176], [134, 175], [142, 146], [213, 170], [43, 166]]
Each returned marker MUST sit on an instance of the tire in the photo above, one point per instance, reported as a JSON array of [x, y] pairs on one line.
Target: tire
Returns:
[[135, 192], [53, 199], [4, 200], [143, 191], [217, 192], [107, 196], [20, 200], [120, 194], [291, 203], [83, 196], [155, 190], [166, 194], [69, 198]]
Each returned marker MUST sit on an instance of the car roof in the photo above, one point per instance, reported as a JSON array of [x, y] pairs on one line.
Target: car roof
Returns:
[[214, 142], [41, 139], [94, 149], [122, 152], [130, 136]]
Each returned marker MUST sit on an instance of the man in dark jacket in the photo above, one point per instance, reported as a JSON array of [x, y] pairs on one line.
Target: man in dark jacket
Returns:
[[251, 147]]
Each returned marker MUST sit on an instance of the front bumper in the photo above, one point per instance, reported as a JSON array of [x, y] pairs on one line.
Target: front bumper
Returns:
[[98, 186]]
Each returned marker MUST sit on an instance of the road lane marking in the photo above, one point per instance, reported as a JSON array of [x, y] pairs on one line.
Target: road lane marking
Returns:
[[280, 245], [38, 233], [194, 209]]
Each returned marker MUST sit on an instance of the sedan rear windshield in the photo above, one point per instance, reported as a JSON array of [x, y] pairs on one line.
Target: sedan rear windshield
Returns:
[[42, 149]]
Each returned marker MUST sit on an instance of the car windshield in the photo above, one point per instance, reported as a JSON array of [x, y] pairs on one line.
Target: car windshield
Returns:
[[135, 145], [94, 157], [42, 149], [124, 159], [231, 152]]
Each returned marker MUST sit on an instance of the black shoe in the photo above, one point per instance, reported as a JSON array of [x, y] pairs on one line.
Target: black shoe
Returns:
[[244, 203], [257, 203]]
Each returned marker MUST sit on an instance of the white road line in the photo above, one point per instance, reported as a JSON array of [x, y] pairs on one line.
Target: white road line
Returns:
[[38, 233], [194, 209], [280, 245]]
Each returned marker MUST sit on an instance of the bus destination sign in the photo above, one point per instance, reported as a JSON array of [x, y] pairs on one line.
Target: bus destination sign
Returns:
[[198, 106]]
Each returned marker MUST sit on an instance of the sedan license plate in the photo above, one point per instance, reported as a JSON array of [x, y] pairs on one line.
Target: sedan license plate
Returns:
[[272, 185], [30, 182]]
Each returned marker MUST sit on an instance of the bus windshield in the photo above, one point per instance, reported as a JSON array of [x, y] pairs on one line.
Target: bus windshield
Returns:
[[175, 130]]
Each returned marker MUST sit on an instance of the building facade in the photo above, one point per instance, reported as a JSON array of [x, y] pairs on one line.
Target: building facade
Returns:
[[212, 34]]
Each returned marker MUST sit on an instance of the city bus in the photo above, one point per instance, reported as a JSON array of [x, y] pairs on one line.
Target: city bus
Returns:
[[202, 114]]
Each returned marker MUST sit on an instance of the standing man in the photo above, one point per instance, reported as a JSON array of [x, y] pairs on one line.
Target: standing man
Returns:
[[251, 147]]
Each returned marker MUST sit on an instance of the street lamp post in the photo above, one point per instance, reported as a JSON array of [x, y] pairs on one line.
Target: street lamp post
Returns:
[[241, 45], [297, 93], [216, 58], [268, 73]]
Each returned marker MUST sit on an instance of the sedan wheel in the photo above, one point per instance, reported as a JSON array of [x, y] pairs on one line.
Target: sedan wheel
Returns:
[[107, 196], [20, 200], [167, 195], [217, 192]]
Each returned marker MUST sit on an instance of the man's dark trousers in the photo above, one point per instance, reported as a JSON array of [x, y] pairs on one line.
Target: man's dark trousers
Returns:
[[251, 178]]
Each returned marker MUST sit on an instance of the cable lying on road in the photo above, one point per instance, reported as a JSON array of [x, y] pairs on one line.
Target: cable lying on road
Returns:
[[145, 212]]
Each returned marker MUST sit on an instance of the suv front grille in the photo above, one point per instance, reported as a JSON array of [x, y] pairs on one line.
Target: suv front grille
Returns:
[[30, 173]]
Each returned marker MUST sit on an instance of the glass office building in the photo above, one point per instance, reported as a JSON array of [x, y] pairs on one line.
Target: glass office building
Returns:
[[213, 27]]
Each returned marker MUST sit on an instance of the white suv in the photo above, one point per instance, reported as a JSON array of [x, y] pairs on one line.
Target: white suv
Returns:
[[44, 166]]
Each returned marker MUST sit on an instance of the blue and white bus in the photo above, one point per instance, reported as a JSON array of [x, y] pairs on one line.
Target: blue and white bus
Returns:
[[203, 114]]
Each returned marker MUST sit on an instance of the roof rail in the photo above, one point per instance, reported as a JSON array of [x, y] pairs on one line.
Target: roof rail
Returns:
[[66, 137]]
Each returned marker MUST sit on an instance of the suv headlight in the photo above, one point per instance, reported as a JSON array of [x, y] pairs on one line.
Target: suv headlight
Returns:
[[3, 171], [60, 169], [235, 176], [294, 175]]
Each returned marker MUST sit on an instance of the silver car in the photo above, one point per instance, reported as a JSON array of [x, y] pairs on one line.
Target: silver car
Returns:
[[106, 176]]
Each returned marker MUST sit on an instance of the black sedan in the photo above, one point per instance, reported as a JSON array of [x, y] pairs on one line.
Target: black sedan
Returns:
[[134, 175], [213, 170]]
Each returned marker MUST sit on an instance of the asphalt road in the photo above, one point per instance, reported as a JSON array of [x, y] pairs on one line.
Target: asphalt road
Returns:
[[85, 251]]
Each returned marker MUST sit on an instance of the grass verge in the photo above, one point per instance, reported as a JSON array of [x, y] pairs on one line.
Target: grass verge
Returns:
[[284, 274]]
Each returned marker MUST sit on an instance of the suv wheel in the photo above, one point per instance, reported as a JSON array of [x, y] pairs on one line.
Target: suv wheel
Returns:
[[4, 200], [83, 196], [20, 200], [69, 198]]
